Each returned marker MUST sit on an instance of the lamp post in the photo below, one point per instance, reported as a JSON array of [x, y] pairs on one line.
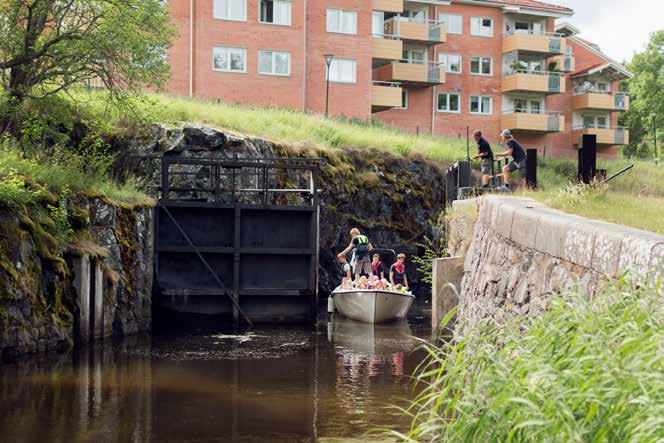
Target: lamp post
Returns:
[[654, 127], [328, 62]]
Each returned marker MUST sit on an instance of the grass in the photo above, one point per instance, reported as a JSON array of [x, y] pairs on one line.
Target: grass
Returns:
[[590, 369], [25, 179]]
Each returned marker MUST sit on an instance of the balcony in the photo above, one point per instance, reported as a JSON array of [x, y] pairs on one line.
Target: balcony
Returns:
[[385, 95], [548, 44], [605, 136], [566, 63], [534, 81], [387, 5], [385, 49], [416, 30], [412, 74], [521, 120], [618, 101]]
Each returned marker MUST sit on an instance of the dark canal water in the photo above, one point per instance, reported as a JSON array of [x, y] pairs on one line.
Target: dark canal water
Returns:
[[329, 382]]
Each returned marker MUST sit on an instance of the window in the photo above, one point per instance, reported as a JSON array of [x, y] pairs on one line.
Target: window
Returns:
[[230, 9], [417, 56], [342, 21], [449, 102], [417, 15], [481, 65], [481, 26], [480, 104], [273, 62], [343, 70], [377, 23], [453, 22], [404, 99], [595, 121], [602, 87], [277, 12], [228, 59], [452, 62]]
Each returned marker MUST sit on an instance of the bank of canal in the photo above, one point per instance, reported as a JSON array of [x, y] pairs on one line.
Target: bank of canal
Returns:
[[313, 383]]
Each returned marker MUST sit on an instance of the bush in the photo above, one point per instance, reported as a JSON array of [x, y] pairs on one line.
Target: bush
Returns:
[[591, 369]]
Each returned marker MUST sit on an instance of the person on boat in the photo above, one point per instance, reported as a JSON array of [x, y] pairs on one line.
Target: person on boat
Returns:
[[484, 153], [377, 267], [518, 154], [344, 272], [362, 247], [398, 272]]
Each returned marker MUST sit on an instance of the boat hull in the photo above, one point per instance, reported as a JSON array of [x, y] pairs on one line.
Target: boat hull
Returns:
[[372, 306]]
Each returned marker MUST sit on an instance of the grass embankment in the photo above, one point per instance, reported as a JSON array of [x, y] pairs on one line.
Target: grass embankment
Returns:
[[588, 370], [635, 199]]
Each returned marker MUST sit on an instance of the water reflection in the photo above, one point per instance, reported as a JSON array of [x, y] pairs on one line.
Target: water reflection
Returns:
[[273, 384]]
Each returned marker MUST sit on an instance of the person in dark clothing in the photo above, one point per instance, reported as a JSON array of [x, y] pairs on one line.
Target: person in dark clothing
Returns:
[[362, 246], [486, 154], [398, 272], [344, 271], [518, 154], [377, 267]]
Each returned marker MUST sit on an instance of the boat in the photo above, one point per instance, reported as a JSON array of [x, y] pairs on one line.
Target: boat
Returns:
[[370, 305]]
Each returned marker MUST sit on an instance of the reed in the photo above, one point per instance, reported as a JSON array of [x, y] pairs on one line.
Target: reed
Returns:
[[590, 369]]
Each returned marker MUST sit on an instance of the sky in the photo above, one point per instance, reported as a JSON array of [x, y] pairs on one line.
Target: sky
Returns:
[[619, 27]]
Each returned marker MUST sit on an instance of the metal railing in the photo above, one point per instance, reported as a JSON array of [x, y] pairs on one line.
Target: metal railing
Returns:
[[531, 71], [392, 26], [386, 84], [595, 126], [529, 111]]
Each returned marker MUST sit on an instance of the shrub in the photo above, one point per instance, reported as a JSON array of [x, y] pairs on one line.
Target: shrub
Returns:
[[591, 369]]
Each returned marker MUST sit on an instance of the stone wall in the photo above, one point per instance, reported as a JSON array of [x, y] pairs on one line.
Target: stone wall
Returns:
[[45, 288], [522, 253]]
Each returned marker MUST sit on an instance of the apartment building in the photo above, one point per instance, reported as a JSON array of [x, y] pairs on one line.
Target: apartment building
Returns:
[[428, 66]]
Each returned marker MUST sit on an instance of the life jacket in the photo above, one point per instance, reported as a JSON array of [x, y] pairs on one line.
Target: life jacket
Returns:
[[362, 247]]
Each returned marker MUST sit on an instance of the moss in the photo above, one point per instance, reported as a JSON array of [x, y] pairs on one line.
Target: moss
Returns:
[[82, 247], [128, 247]]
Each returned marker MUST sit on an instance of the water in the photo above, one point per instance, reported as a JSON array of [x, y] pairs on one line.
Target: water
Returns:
[[318, 383]]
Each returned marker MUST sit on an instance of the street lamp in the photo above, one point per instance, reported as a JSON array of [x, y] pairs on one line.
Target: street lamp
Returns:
[[328, 62], [654, 127]]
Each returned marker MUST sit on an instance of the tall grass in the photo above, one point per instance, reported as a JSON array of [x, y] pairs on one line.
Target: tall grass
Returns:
[[590, 369]]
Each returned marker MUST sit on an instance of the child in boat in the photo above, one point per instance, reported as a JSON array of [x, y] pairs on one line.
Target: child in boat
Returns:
[[398, 272], [362, 283], [344, 273]]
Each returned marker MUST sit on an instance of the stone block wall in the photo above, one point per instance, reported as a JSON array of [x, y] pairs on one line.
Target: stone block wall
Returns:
[[522, 253]]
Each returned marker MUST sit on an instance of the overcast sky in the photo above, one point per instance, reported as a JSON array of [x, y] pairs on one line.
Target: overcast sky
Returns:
[[619, 27]]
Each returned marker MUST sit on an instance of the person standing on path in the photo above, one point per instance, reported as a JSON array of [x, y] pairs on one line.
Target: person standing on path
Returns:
[[518, 154], [362, 246], [485, 153]]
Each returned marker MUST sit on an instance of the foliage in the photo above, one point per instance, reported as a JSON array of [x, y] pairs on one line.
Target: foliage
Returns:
[[590, 369], [14, 192], [646, 90], [48, 46], [60, 216], [433, 247]]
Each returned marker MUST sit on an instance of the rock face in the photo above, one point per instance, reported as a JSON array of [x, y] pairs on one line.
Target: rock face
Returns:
[[390, 198], [522, 254], [39, 307]]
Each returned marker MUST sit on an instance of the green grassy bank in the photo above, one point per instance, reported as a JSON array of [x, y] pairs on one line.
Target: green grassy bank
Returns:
[[589, 370]]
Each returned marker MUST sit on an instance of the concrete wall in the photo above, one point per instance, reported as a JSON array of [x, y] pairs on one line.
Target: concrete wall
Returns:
[[521, 254]]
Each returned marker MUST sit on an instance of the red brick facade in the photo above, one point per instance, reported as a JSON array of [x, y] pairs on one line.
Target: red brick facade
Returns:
[[307, 40]]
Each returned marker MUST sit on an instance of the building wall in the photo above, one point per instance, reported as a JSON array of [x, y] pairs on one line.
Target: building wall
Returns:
[[352, 100]]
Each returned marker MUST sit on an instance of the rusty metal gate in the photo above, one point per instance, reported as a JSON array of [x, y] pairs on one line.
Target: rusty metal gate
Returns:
[[238, 237]]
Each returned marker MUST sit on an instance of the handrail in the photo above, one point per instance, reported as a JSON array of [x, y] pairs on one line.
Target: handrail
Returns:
[[527, 111], [582, 91], [533, 72], [386, 36], [528, 32], [424, 21], [418, 63], [383, 83]]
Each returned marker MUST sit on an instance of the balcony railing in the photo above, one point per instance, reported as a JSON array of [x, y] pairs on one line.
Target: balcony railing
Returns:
[[533, 80], [385, 95], [606, 135], [589, 98], [412, 72], [414, 28], [533, 120], [530, 32], [549, 43]]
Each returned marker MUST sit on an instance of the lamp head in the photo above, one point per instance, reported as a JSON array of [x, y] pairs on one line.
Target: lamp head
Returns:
[[328, 59]]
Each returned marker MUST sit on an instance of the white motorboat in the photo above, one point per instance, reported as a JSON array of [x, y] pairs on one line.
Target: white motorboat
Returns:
[[372, 306]]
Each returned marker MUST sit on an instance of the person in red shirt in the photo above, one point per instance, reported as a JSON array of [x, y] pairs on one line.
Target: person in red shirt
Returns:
[[398, 272], [377, 267]]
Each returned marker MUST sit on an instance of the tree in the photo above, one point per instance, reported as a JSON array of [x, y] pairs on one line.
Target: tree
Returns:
[[646, 90], [49, 46]]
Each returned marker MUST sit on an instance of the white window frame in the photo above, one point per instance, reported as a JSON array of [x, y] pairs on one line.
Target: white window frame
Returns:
[[290, 15], [445, 58], [446, 19], [341, 11], [481, 64], [274, 52], [226, 17], [409, 57], [479, 98], [493, 24], [448, 111], [404, 94], [336, 60], [236, 71]]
